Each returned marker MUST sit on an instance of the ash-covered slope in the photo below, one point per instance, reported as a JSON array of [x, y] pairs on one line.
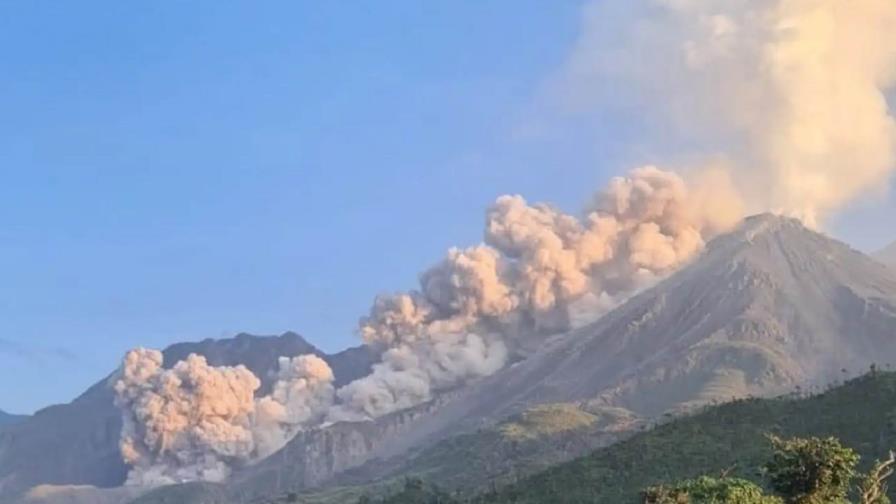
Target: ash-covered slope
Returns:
[[77, 443], [767, 307]]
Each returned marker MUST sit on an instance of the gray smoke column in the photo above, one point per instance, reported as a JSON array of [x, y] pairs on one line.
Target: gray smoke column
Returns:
[[540, 272], [195, 421]]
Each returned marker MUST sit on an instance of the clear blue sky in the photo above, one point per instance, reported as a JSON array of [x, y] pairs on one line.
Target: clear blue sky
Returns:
[[180, 170]]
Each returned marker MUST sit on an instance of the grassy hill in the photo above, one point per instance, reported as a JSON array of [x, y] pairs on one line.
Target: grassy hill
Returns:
[[728, 438]]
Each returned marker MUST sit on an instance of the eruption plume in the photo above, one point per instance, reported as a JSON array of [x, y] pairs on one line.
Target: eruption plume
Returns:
[[789, 96], [541, 272]]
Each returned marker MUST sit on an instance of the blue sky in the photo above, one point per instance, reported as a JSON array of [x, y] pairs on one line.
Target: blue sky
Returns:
[[180, 170]]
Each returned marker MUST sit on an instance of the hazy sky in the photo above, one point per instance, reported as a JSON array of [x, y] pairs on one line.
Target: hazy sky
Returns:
[[173, 171]]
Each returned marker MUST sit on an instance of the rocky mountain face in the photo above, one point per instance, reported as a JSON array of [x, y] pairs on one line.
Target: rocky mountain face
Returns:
[[766, 308], [77, 443]]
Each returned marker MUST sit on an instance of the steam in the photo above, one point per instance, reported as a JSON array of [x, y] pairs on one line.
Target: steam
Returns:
[[194, 421]]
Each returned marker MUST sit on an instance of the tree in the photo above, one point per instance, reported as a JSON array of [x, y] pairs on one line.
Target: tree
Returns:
[[873, 489], [707, 490], [811, 470], [801, 471]]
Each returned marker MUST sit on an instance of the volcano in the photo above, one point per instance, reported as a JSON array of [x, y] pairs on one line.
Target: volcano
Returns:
[[765, 309]]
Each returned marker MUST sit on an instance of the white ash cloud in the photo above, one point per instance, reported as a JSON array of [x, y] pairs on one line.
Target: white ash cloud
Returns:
[[195, 421]]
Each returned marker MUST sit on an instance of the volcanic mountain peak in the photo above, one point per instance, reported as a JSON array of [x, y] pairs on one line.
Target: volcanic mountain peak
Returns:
[[766, 307]]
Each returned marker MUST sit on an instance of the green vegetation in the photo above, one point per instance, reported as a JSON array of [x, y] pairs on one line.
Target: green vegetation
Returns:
[[811, 471], [801, 471], [729, 439], [710, 491]]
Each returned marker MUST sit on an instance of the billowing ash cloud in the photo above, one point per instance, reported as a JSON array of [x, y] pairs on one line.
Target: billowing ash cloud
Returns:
[[194, 421], [185, 423], [792, 92], [540, 272]]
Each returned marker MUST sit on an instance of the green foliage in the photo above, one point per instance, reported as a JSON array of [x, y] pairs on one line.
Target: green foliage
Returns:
[[801, 471], [811, 471], [706, 490]]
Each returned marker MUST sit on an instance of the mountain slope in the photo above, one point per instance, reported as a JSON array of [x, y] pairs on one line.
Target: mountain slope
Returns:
[[767, 307], [9, 419], [77, 443]]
